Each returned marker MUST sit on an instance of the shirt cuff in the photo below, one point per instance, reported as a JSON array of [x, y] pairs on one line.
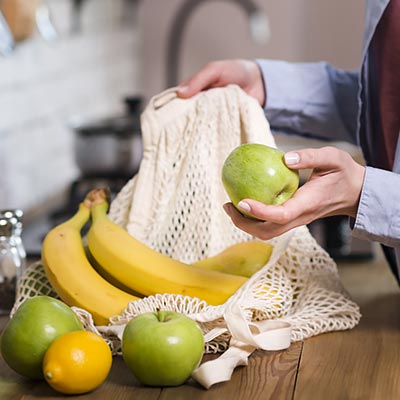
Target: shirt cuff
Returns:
[[280, 79], [378, 210]]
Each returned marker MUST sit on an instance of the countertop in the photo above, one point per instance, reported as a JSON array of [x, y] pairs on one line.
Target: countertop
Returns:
[[362, 363]]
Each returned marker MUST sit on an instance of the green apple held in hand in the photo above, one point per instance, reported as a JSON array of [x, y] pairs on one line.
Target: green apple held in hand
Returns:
[[255, 171], [162, 348], [35, 325]]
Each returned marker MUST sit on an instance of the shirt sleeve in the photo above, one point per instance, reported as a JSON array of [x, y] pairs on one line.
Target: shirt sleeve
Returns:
[[378, 214], [311, 99]]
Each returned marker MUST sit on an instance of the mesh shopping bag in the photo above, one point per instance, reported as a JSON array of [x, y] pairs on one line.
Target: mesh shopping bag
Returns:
[[174, 205]]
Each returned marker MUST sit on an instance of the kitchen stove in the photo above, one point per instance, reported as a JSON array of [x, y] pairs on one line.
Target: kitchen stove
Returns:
[[108, 153], [34, 233], [334, 235]]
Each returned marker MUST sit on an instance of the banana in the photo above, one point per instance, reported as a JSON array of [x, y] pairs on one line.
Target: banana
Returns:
[[243, 259], [147, 271], [73, 277], [107, 276]]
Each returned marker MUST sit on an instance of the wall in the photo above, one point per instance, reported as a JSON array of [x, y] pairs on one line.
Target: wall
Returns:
[[302, 30], [44, 85]]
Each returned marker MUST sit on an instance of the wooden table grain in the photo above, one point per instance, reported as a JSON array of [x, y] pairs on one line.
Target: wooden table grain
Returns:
[[363, 363]]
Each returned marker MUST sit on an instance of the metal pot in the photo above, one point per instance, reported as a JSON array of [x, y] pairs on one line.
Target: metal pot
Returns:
[[109, 147]]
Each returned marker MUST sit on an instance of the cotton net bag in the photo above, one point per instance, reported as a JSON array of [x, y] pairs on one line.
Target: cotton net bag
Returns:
[[174, 205]]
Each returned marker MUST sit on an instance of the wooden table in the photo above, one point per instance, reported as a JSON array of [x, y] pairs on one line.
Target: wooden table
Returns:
[[363, 363]]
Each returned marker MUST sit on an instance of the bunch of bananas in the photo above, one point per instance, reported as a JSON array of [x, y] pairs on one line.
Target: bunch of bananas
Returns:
[[116, 268]]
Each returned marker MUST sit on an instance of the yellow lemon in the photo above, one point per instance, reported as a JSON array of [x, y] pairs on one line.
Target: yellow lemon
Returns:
[[77, 362]]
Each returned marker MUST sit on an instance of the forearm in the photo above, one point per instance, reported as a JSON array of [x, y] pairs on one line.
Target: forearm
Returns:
[[312, 99]]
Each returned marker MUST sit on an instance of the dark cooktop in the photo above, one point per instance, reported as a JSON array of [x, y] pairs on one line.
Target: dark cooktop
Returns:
[[34, 232]]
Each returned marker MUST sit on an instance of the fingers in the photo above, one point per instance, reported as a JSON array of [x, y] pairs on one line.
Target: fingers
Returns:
[[244, 73], [249, 225], [324, 158], [298, 208], [269, 221], [264, 230], [204, 79]]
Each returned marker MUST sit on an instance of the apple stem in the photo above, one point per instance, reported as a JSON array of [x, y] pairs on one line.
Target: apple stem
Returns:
[[163, 316]]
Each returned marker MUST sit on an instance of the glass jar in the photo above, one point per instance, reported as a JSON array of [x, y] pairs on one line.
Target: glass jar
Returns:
[[12, 259], [16, 218]]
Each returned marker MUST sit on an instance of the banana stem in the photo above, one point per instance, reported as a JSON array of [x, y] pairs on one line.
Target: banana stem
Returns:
[[99, 211], [79, 219], [97, 200]]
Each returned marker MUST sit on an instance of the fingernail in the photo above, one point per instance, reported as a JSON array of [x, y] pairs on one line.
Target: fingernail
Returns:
[[183, 88], [244, 206], [292, 158]]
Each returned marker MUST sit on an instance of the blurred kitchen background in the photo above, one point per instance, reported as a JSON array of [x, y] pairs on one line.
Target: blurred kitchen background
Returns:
[[75, 75]]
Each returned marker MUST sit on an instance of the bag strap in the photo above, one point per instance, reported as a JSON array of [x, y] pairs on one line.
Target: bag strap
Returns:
[[246, 337]]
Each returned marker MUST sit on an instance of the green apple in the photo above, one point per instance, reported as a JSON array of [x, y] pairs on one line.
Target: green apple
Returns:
[[255, 171], [162, 348], [34, 326]]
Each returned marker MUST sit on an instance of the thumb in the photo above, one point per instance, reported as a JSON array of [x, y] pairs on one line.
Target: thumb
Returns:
[[187, 90], [184, 91], [323, 158], [204, 79]]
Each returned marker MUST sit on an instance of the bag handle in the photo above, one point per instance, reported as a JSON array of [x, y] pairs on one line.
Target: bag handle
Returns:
[[246, 337]]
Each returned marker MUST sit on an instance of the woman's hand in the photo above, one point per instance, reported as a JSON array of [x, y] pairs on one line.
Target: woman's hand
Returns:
[[334, 188], [244, 73]]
